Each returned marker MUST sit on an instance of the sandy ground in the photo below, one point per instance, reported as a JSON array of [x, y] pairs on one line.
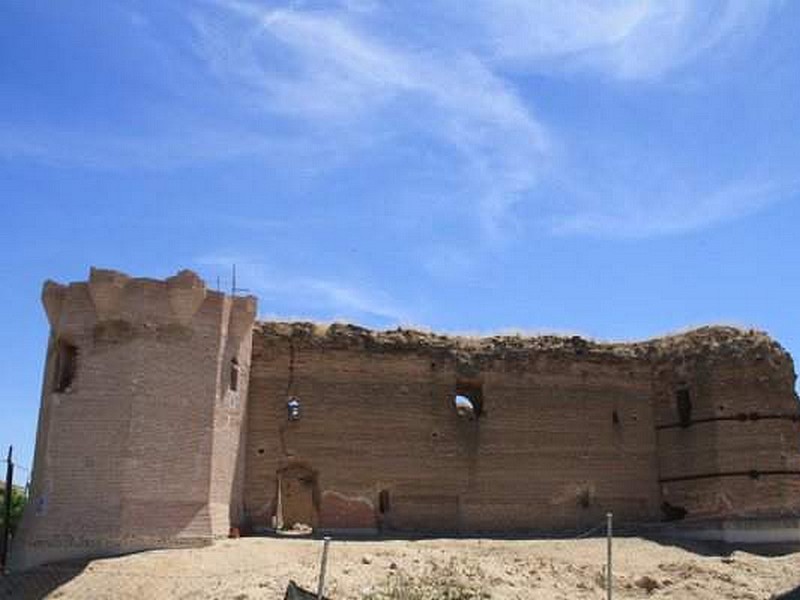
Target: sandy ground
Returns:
[[252, 568]]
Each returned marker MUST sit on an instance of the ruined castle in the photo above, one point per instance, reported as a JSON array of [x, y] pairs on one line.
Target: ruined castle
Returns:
[[170, 416]]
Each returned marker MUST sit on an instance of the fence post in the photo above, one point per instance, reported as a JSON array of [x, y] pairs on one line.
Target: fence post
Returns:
[[322, 567], [609, 534], [7, 512]]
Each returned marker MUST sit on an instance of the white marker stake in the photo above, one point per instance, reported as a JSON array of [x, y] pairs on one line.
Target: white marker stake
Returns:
[[609, 532]]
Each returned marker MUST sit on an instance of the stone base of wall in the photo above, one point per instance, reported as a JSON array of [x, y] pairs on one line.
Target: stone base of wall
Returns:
[[783, 531]]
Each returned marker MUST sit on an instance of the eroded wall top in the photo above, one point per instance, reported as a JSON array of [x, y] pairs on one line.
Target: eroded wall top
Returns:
[[712, 343]]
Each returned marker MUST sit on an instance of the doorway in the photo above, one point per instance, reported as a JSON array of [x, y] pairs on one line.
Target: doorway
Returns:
[[298, 497]]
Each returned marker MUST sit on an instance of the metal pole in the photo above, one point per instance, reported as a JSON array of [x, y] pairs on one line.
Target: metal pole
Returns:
[[609, 534], [322, 567], [7, 511]]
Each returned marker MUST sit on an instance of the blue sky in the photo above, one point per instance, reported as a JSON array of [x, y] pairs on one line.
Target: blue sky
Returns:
[[614, 169]]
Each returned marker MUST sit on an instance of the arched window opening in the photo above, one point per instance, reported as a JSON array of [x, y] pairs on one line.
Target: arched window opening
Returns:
[[468, 400], [464, 407], [293, 409], [683, 401], [234, 375], [66, 366]]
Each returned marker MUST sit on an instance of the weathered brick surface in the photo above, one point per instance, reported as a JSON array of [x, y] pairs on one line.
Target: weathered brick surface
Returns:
[[569, 430], [745, 427], [143, 447], [150, 445]]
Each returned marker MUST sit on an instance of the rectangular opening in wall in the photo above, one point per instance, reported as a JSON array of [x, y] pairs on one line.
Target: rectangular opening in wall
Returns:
[[66, 365], [383, 501], [234, 375]]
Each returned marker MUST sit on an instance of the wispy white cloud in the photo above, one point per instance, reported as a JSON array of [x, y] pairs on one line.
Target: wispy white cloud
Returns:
[[342, 71], [324, 298], [318, 87], [665, 214], [69, 148], [343, 77], [628, 39]]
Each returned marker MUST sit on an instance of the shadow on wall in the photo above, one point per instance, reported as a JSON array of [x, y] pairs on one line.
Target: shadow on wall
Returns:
[[39, 582], [721, 549], [699, 547], [236, 491]]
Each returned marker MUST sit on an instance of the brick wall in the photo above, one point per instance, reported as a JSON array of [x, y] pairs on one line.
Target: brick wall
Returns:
[[141, 449], [547, 450], [175, 425], [569, 429], [739, 455]]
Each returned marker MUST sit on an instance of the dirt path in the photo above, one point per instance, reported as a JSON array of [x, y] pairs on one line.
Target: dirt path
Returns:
[[253, 568]]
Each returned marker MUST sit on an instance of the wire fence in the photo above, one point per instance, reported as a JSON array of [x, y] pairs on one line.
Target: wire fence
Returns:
[[589, 532], [194, 576], [124, 577], [191, 576]]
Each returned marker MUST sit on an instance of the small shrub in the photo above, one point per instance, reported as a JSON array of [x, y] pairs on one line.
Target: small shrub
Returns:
[[18, 501], [448, 582]]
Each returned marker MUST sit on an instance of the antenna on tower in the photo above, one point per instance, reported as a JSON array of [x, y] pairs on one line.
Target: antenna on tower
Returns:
[[235, 290]]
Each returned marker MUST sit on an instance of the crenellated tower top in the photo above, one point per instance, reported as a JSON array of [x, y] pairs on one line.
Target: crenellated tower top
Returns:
[[113, 296]]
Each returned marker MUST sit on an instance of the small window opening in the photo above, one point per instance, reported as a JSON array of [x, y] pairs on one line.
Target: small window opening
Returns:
[[465, 408], [683, 401], [468, 400], [615, 417], [672, 512], [66, 365], [585, 498], [383, 501], [234, 378], [293, 409]]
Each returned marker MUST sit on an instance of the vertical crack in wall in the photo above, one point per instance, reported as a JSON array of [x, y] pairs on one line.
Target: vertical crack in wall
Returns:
[[290, 379], [289, 390]]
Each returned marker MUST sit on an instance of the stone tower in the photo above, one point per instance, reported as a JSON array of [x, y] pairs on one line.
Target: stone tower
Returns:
[[140, 438]]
